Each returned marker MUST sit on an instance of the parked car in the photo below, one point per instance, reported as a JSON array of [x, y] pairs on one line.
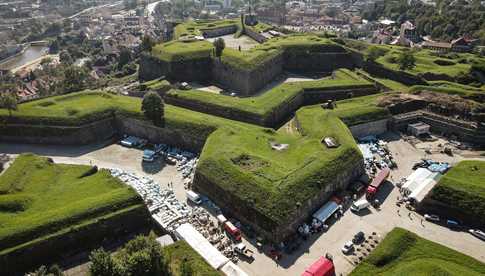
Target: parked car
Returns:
[[433, 218], [453, 224], [148, 155], [359, 238], [360, 205], [477, 233], [348, 247], [194, 197]]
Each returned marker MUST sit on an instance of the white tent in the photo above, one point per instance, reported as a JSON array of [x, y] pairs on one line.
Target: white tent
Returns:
[[201, 245], [326, 211], [414, 179], [231, 269], [428, 184]]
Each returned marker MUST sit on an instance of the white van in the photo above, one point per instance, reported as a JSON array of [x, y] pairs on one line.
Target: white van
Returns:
[[194, 197], [360, 205]]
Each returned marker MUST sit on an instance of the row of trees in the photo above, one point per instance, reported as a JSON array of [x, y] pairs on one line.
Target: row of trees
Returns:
[[447, 20]]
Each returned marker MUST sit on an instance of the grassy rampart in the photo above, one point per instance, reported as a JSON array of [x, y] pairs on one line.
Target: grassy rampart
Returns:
[[404, 253]]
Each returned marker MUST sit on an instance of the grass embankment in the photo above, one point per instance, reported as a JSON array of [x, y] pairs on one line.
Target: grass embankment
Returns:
[[86, 107], [265, 103], [463, 187], [39, 198], [405, 253], [451, 64], [464, 91], [195, 28], [180, 252], [275, 182]]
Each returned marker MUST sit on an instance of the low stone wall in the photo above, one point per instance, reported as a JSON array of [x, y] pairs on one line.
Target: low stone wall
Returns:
[[370, 128], [75, 240], [154, 134], [399, 76], [254, 35], [208, 33], [442, 125], [59, 135], [314, 96]]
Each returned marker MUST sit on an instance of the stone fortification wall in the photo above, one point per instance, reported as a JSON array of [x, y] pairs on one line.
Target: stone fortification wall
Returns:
[[265, 226], [370, 128], [318, 61], [151, 68], [154, 134], [442, 125], [85, 237], [59, 135], [399, 76], [208, 33], [254, 35], [184, 70], [429, 205], [246, 82]]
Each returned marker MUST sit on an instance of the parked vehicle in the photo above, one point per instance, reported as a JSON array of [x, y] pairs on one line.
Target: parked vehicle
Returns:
[[377, 182], [348, 247], [221, 219], [453, 224], [322, 267], [477, 233], [359, 238], [232, 230], [241, 249], [148, 155], [194, 197], [360, 205], [130, 141], [433, 218], [357, 187]]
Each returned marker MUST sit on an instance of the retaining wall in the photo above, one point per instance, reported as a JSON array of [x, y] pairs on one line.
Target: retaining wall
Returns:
[[247, 82], [370, 128], [59, 135], [399, 76], [254, 35], [271, 230], [77, 239], [208, 33], [307, 61]]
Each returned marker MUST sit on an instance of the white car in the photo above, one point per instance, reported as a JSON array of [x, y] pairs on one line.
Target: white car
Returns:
[[348, 247], [433, 218], [477, 233]]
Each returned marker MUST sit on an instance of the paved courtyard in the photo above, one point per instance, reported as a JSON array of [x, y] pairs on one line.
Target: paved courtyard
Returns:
[[381, 221]]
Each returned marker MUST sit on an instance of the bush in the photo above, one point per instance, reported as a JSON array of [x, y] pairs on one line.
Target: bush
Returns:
[[71, 111], [444, 62], [46, 103]]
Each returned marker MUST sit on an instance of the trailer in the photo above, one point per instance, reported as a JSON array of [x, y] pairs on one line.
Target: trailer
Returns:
[[322, 267], [377, 182]]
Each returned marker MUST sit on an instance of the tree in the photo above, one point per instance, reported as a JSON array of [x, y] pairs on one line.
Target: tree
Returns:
[[219, 45], [9, 102], [102, 264], [406, 60], [185, 268], [74, 78], [153, 108], [53, 270], [54, 47], [147, 43], [125, 57], [374, 53], [65, 58]]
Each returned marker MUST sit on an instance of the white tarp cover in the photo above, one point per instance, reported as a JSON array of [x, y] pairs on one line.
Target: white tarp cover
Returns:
[[427, 185], [413, 180], [201, 245], [231, 269], [326, 211]]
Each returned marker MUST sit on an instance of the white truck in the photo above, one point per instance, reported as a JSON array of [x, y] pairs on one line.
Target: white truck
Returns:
[[360, 205], [194, 197], [242, 250]]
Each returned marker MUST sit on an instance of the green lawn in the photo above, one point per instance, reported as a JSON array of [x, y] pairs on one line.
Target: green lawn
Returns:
[[39, 198], [463, 187], [404, 253], [179, 252], [267, 102], [194, 28]]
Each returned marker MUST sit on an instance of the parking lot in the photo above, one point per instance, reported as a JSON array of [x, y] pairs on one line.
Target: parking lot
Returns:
[[380, 221]]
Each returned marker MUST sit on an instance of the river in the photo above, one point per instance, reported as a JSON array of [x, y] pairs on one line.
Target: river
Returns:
[[30, 54]]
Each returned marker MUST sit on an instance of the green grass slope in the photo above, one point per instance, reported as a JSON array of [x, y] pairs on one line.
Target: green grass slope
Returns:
[[265, 103], [38, 198], [463, 187], [404, 253], [271, 181]]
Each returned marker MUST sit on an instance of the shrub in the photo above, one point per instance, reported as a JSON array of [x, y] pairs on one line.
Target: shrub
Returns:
[[46, 103], [444, 62]]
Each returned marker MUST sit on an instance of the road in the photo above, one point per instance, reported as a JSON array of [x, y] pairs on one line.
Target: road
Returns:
[[381, 221]]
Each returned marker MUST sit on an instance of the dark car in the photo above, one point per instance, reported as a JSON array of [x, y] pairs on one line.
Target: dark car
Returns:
[[359, 238]]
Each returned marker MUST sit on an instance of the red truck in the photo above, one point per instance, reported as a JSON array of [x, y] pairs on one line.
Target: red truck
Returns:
[[377, 182], [232, 230], [322, 267]]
